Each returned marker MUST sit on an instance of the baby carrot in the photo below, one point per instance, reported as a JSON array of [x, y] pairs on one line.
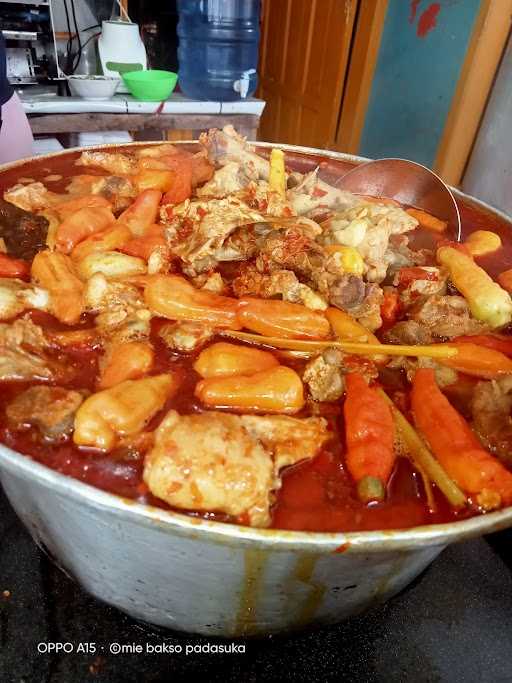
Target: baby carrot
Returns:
[[369, 431], [456, 447]]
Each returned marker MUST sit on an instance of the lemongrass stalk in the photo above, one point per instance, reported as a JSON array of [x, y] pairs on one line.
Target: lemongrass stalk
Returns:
[[432, 351], [421, 455]]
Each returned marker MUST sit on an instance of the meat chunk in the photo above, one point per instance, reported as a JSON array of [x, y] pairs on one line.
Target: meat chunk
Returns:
[[185, 336], [23, 347], [444, 376], [226, 145], [225, 463], [325, 374], [283, 283], [17, 296], [31, 197], [50, 409], [226, 180], [445, 316], [198, 229], [491, 407], [424, 281], [367, 227], [24, 233], [112, 162], [312, 193], [408, 332]]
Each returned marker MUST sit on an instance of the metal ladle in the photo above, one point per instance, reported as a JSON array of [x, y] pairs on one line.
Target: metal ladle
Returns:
[[408, 183]]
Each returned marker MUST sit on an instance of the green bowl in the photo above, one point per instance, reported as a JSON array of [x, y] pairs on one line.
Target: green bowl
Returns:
[[151, 85]]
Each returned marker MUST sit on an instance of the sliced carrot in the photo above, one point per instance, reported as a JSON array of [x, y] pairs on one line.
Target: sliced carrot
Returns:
[[427, 220], [370, 434], [453, 443]]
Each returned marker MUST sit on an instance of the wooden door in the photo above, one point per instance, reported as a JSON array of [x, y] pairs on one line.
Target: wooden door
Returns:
[[303, 60]]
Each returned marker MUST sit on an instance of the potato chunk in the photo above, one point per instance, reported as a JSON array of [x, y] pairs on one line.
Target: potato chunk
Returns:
[[225, 463], [122, 410]]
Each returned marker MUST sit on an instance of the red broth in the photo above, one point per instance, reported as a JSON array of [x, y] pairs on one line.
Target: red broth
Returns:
[[316, 495]]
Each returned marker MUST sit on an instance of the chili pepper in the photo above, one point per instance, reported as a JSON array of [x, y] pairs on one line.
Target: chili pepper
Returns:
[[390, 308], [454, 444], [408, 275], [370, 437], [181, 188], [498, 342], [13, 267], [478, 361]]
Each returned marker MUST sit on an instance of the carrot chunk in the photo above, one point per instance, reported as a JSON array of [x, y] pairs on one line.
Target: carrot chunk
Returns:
[[369, 428], [454, 444]]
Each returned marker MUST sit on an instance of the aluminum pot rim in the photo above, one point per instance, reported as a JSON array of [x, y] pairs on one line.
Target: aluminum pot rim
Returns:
[[351, 542]]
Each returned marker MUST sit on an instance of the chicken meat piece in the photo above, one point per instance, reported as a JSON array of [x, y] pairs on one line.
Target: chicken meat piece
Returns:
[[325, 374], [226, 180], [352, 294], [118, 190], [400, 255], [260, 197], [225, 463], [112, 162], [17, 296], [23, 348], [312, 193], [435, 284], [23, 233], [51, 410], [491, 407], [445, 316], [280, 283], [408, 332], [198, 229], [113, 302], [368, 227], [226, 145], [33, 197], [185, 336], [444, 376]]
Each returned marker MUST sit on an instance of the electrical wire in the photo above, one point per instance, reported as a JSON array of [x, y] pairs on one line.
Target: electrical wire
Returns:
[[78, 55], [69, 44]]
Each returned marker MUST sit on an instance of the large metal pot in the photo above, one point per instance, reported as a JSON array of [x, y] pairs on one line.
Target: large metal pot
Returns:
[[217, 579]]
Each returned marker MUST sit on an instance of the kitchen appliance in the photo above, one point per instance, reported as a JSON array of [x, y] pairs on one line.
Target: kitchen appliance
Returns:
[[29, 33], [121, 49]]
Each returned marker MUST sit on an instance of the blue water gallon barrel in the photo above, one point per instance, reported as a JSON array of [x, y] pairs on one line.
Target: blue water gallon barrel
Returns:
[[218, 48]]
